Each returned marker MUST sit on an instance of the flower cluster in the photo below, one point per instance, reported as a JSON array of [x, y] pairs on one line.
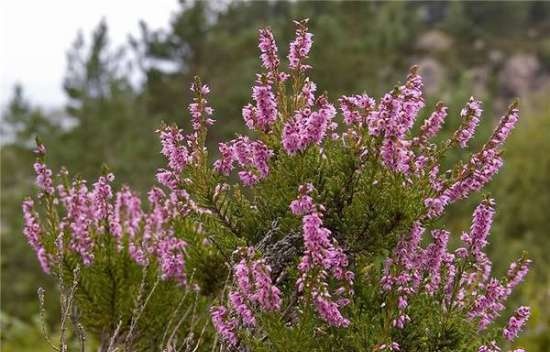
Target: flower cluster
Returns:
[[516, 322], [308, 127], [264, 114], [300, 47], [179, 150], [33, 233], [480, 169], [323, 258], [252, 156], [470, 115], [462, 278], [254, 290], [90, 215]]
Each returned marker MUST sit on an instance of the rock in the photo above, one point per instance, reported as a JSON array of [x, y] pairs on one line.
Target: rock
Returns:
[[519, 74], [433, 74], [434, 40]]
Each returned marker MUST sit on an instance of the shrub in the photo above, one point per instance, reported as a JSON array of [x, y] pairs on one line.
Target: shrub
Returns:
[[328, 240]]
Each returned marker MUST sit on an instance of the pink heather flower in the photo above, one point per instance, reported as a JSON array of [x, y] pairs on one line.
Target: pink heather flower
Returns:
[[393, 346], [434, 257], [43, 178], [308, 127], [199, 109], [504, 127], [264, 115], [481, 225], [168, 178], [79, 219], [253, 278], [267, 295], [33, 232], [238, 304], [171, 256], [300, 47], [101, 199], [470, 119], [516, 323], [321, 257], [488, 305], [241, 272], [302, 205], [411, 98], [491, 347], [356, 108], [225, 327], [224, 165], [432, 125], [517, 272], [129, 203], [253, 156], [40, 149], [268, 49], [173, 148], [477, 173], [396, 155], [307, 94], [329, 311]]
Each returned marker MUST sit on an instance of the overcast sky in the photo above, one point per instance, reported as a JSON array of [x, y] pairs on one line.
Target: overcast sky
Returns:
[[35, 35]]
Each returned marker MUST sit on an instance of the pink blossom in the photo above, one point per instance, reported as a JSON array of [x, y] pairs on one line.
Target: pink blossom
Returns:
[[356, 108], [173, 148], [79, 220], [33, 233], [308, 127], [225, 326], [516, 323], [431, 127], [470, 119], [300, 47], [264, 114], [268, 49], [253, 156], [171, 256], [43, 178], [200, 111], [504, 127]]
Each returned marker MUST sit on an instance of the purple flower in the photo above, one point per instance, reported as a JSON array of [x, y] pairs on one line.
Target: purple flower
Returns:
[[516, 323], [79, 220], [517, 272], [481, 225], [44, 178], [433, 123], [268, 49], [33, 233], [470, 119], [322, 256], [264, 114], [308, 127], [300, 47], [225, 327], [504, 127], [243, 311], [253, 156], [356, 108], [173, 148], [171, 256], [199, 109]]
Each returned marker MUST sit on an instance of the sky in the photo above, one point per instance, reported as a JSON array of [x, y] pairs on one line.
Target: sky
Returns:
[[35, 36]]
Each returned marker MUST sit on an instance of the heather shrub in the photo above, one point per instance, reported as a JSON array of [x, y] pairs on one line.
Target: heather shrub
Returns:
[[317, 231]]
